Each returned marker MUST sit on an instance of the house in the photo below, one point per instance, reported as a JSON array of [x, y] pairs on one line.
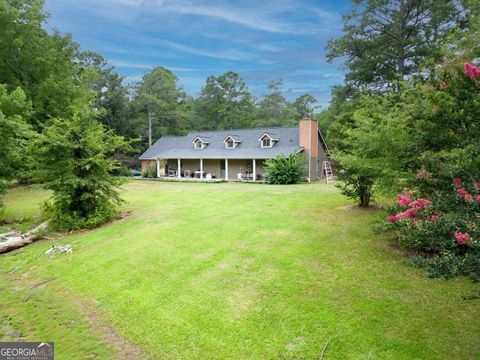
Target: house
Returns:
[[235, 154]]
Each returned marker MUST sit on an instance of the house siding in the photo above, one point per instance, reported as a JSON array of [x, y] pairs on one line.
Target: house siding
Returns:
[[143, 164], [212, 166]]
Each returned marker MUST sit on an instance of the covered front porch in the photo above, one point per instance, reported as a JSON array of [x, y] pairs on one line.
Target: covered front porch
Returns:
[[211, 169]]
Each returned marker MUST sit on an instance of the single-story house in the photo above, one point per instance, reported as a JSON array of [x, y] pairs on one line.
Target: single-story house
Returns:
[[235, 154]]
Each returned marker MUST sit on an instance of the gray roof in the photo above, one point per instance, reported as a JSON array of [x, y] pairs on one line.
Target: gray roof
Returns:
[[174, 147]]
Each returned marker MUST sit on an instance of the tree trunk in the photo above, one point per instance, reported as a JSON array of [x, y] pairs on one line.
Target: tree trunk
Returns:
[[15, 242], [149, 127]]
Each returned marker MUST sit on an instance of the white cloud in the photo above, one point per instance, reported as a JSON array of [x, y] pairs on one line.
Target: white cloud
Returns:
[[236, 16], [268, 17], [135, 65], [230, 54]]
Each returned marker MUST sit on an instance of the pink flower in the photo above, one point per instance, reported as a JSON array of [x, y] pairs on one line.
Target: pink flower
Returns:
[[409, 213], [462, 192], [478, 198], [391, 218], [420, 204], [434, 218], [476, 185], [420, 174], [403, 200], [471, 71], [468, 198], [461, 237], [457, 182]]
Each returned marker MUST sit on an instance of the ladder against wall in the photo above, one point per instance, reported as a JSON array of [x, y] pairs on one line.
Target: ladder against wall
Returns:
[[327, 173]]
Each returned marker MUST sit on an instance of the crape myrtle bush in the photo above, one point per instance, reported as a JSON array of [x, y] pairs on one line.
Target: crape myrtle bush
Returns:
[[285, 169], [440, 216], [447, 226]]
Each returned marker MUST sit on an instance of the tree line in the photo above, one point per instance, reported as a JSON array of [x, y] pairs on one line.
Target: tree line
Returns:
[[159, 106]]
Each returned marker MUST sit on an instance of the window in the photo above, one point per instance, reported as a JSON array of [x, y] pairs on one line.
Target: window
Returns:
[[230, 144], [198, 144], [266, 142]]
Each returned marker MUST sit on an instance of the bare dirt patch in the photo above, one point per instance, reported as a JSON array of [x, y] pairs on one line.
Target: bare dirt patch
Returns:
[[123, 348], [8, 330], [368, 209]]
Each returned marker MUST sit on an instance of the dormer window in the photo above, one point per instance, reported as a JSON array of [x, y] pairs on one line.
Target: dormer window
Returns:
[[199, 144], [231, 142], [266, 141]]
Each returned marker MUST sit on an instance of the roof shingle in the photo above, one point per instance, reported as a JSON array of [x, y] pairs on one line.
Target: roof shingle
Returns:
[[174, 147]]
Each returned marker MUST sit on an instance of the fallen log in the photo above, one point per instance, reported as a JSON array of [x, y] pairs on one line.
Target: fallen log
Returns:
[[16, 242], [6, 235]]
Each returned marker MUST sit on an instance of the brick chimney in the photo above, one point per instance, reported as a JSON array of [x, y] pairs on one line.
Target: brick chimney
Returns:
[[308, 136], [308, 139]]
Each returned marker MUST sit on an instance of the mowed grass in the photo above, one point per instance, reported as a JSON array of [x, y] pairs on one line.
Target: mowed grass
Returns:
[[23, 207], [237, 271]]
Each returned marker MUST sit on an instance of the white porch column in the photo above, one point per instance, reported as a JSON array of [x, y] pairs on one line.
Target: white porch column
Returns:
[[158, 168], [179, 168], [254, 168], [226, 169], [201, 168]]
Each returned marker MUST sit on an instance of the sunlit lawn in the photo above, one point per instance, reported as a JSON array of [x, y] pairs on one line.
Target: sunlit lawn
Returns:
[[203, 271]]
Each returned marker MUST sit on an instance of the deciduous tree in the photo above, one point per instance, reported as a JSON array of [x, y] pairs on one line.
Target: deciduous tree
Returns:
[[15, 110], [40, 63]]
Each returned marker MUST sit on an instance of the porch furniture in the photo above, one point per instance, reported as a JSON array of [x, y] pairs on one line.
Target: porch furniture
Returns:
[[199, 173], [187, 173], [172, 172]]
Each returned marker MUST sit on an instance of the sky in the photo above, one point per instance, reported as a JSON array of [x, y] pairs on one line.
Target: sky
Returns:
[[261, 40]]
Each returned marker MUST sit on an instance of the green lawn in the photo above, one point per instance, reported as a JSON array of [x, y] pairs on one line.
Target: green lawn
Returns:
[[241, 271]]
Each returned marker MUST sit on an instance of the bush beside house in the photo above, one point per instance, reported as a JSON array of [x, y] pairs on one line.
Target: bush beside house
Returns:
[[285, 169]]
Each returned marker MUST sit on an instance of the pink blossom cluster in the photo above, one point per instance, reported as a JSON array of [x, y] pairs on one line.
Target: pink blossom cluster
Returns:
[[405, 200], [471, 71], [420, 204], [413, 207], [461, 237], [464, 194]]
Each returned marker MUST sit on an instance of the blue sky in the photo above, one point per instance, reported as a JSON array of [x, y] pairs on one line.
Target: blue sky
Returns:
[[261, 40]]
